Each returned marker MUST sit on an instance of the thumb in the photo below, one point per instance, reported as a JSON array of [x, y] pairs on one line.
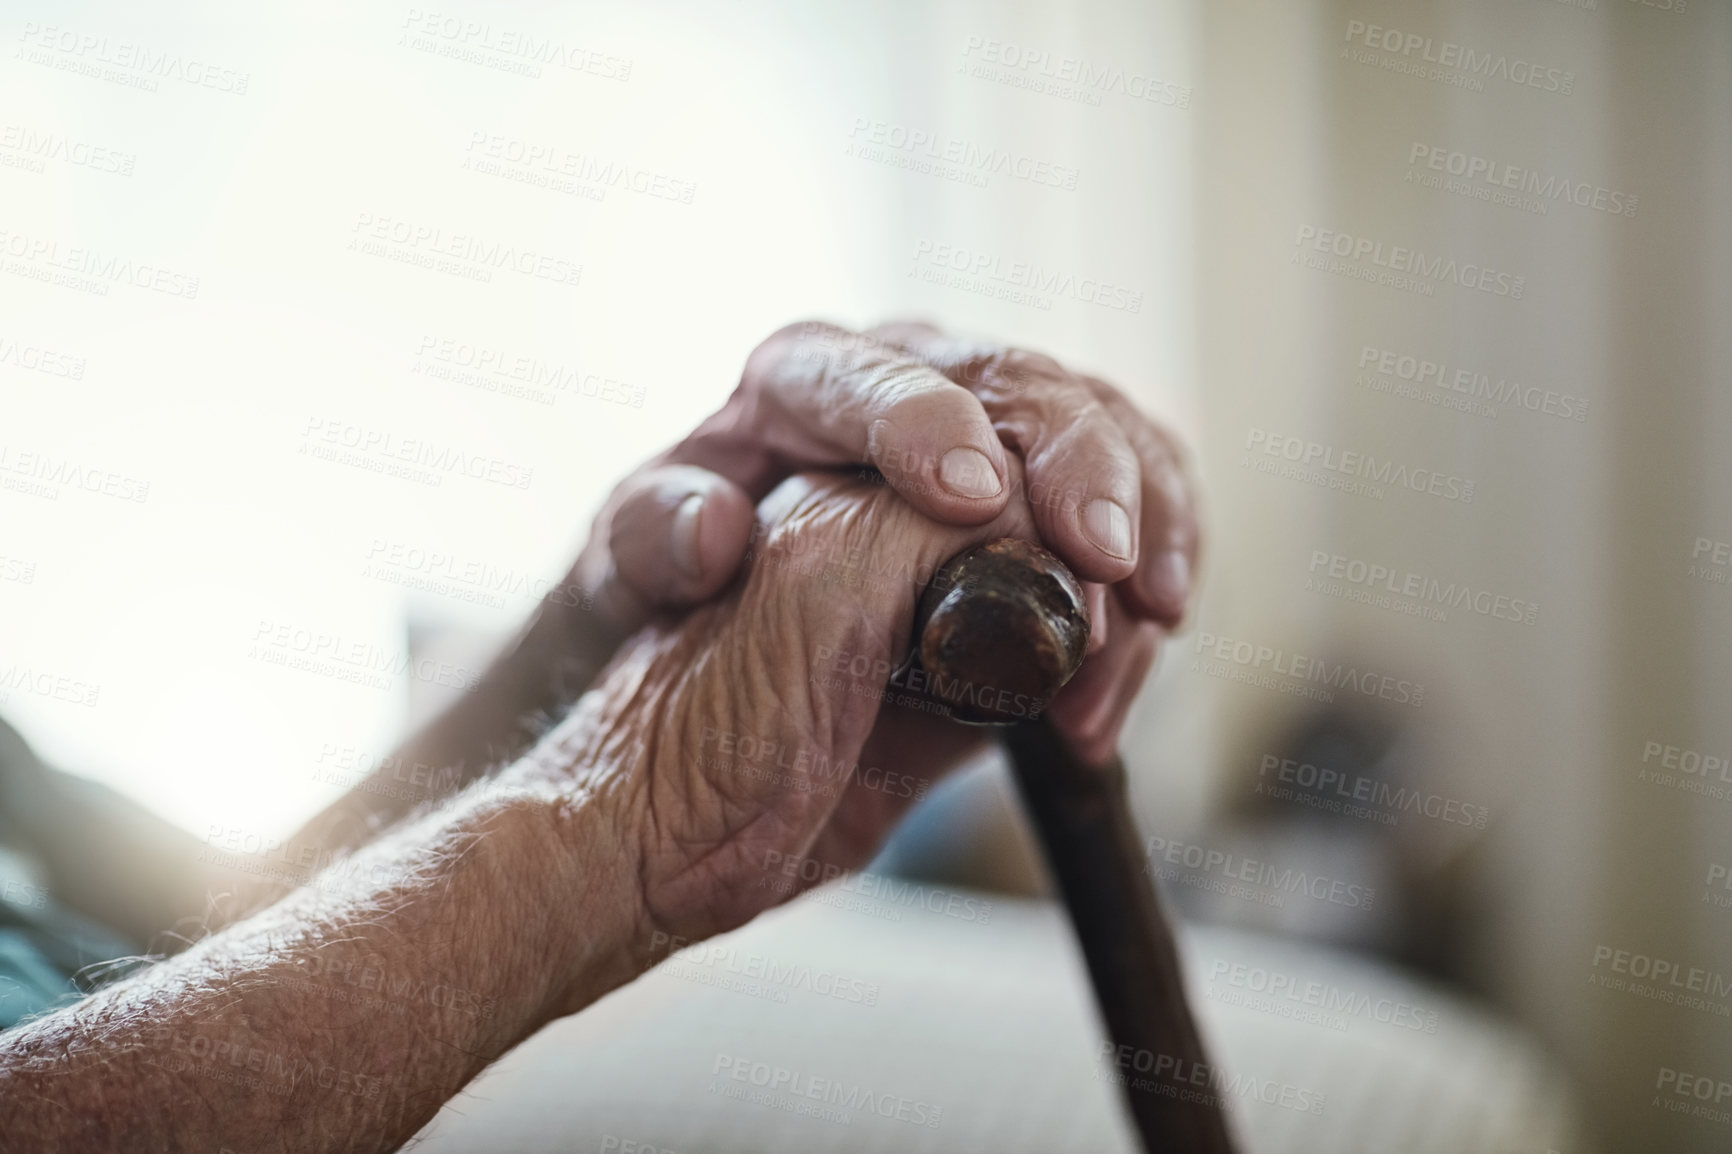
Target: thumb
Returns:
[[675, 537]]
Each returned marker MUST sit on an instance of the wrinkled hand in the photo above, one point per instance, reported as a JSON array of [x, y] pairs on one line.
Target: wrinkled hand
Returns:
[[746, 734], [944, 422]]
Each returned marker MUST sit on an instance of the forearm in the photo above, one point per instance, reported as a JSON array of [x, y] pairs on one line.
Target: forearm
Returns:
[[547, 666], [342, 1017]]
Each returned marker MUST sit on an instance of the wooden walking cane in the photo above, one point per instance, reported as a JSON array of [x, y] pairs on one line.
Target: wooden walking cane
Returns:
[[1009, 620]]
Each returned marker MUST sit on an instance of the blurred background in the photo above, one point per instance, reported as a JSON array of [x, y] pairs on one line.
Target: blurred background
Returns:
[[1438, 292]]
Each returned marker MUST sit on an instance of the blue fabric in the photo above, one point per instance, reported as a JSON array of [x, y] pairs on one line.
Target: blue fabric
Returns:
[[51, 956]]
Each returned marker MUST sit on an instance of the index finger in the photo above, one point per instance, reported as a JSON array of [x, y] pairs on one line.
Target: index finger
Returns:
[[816, 394]]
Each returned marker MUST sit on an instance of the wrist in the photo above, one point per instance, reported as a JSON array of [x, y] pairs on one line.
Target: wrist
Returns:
[[574, 886]]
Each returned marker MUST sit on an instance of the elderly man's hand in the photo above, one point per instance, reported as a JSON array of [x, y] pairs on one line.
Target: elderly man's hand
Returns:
[[753, 731], [961, 431]]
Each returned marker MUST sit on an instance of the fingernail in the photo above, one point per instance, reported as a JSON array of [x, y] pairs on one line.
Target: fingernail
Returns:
[[969, 473], [685, 537], [1167, 580], [1108, 525]]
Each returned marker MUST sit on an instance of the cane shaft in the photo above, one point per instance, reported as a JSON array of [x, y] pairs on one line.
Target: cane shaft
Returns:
[[1092, 850]]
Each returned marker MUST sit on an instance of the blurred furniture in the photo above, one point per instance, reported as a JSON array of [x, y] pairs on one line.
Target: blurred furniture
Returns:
[[989, 1020]]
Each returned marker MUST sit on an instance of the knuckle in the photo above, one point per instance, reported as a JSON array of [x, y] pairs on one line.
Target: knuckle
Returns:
[[1153, 440], [852, 552], [810, 329], [1020, 371], [907, 393], [1109, 393], [809, 530], [799, 340], [1171, 486]]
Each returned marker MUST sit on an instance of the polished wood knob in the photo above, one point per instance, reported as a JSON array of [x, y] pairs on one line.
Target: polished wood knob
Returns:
[[999, 631]]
